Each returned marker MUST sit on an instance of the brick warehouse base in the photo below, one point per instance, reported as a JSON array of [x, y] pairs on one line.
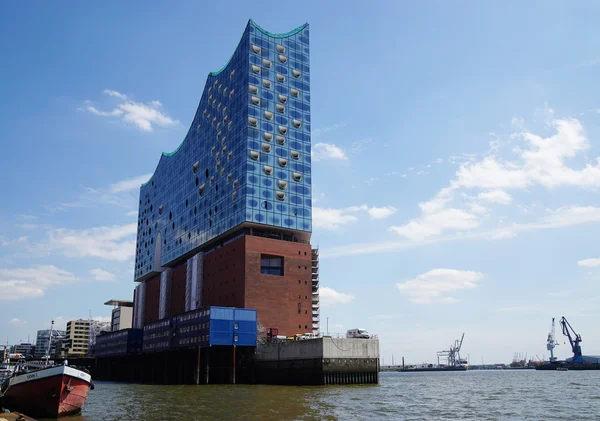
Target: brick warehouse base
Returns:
[[231, 277]]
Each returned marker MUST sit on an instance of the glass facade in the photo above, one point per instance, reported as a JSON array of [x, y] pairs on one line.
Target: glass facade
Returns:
[[245, 158]]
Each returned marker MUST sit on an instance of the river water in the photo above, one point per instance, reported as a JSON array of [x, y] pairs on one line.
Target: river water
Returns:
[[471, 395]]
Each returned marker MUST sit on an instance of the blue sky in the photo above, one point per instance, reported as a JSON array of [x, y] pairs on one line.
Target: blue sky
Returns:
[[454, 158]]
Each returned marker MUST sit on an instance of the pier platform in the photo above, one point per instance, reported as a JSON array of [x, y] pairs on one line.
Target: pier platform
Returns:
[[320, 361]]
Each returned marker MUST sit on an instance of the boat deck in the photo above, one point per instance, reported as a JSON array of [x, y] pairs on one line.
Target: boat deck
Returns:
[[14, 416]]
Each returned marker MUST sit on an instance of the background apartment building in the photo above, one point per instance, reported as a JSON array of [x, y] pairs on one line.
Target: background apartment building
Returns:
[[122, 314], [76, 343], [25, 349], [43, 339]]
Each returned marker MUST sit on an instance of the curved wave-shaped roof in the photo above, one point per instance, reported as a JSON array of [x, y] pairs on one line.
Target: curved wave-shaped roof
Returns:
[[217, 73]]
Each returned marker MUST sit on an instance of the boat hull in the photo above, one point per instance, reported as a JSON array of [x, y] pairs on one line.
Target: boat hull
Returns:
[[424, 369], [569, 366], [48, 393]]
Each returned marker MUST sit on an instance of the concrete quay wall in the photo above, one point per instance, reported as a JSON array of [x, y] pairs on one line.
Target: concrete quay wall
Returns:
[[321, 361], [320, 348], [350, 348]]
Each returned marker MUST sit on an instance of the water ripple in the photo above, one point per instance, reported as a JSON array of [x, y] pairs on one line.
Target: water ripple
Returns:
[[473, 395]]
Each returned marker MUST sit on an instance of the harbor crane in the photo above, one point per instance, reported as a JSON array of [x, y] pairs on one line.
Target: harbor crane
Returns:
[[453, 353], [574, 340], [552, 342]]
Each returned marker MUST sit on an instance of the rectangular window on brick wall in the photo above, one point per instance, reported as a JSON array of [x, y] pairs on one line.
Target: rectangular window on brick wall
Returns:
[[271, 265]]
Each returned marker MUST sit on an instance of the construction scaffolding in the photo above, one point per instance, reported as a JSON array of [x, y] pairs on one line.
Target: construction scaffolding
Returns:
[[316, 312]]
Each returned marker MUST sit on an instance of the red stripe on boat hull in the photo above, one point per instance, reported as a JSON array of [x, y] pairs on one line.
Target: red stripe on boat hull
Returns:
[[49, 397]]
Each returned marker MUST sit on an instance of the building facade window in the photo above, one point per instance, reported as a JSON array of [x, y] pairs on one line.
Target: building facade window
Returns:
[[271, 265]]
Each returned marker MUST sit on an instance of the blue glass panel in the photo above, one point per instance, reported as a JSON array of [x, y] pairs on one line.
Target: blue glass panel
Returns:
[[188, 184]]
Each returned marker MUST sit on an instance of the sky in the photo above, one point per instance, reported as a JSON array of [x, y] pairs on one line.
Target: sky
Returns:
[[456, 167]]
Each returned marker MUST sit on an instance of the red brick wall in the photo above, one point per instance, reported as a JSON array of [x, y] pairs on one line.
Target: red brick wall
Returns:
[[152, 299], [276, 297], [178, 289], [232, 278], [223, 276]]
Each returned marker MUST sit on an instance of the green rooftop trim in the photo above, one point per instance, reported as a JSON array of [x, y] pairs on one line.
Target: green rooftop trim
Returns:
[[175, 151], [218, 72], [257, 26], [167, 154], [285, 35]]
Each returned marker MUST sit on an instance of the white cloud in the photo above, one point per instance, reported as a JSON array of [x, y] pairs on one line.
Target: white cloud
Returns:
[[333, 219], [21, 283], [143, 116], [562, 217], [323, 151], [382, 212], [477, 209], [135, 213], [14, 290], [16, 322], [436, 218], [495, 196], [569, 215], [114, 93], [102, 275], [113, 113], [449, 300], [329, 296], [541, 161], [432, 286], [123, 193], [517, 123], [589, 263], [115, 242], [436, 223], [129, 184]]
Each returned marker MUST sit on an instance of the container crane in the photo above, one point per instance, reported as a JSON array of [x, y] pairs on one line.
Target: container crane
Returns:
[[551, 343], [574, 340], [452, 354]]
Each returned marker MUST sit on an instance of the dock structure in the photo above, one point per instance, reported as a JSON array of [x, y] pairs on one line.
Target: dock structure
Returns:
[[319, 361], [208, 345]]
